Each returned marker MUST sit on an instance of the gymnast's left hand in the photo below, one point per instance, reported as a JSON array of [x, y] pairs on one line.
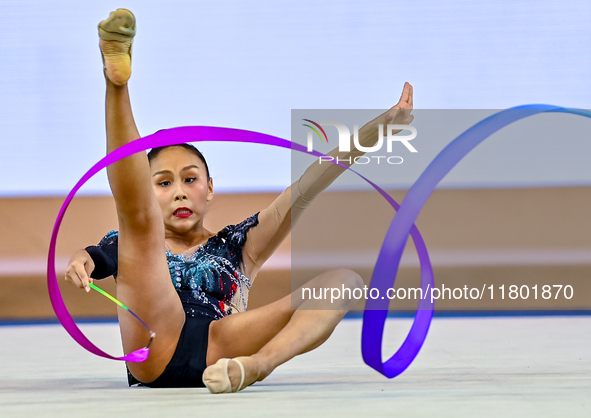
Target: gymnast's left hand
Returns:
[[400, 113]]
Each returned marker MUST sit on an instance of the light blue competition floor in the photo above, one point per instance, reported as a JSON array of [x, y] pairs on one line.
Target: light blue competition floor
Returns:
[[469, 367]]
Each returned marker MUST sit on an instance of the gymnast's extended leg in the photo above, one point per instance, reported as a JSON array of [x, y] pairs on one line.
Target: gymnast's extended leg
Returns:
[[143, 282]]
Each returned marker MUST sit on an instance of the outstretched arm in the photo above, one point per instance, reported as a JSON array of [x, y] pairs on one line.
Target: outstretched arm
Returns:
[[275, 221]]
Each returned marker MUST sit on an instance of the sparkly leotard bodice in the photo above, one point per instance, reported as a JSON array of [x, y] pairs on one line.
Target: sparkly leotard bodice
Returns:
[[208, 279]]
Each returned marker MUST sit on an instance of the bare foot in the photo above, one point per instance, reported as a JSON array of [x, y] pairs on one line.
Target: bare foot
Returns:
[[116, 36], [228, 376]]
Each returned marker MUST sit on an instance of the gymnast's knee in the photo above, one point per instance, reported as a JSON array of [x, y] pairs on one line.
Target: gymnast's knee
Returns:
[[350, 279], [332, 290], [343, 277]]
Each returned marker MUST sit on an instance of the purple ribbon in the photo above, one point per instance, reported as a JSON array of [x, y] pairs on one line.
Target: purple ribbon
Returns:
[[389, 257]]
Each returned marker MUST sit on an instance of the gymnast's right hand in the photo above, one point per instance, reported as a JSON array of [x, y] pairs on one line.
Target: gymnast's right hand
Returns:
[[79, 269]]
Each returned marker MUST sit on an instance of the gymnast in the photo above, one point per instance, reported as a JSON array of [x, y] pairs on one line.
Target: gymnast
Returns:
[[204, 334]]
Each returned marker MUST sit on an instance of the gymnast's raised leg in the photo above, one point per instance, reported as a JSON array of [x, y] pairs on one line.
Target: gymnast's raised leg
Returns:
[[143, 277]]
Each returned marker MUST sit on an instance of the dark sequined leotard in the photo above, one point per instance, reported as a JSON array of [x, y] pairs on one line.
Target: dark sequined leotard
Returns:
[[210, 285], [208, 279]]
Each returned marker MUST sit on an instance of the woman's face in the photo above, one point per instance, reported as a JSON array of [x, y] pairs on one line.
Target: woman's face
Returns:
[[182, 188]]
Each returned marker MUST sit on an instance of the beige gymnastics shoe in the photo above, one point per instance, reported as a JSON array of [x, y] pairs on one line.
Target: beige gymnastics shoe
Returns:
[[216, 377], [116, 36]]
